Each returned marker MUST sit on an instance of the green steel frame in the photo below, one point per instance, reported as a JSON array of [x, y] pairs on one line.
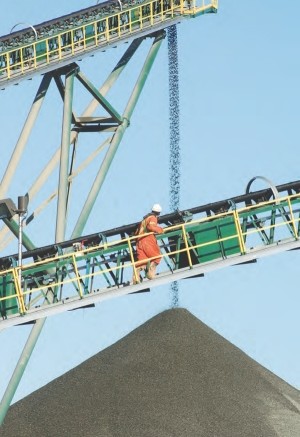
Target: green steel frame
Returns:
[[65, 46], [74, 274], [54, 56], [72, 127]]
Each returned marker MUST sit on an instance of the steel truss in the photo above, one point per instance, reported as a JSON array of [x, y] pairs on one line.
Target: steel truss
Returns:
[[35, 51], [113, 125]]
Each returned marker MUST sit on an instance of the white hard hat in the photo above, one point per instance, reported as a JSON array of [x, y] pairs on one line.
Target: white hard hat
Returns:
[[156, 208]]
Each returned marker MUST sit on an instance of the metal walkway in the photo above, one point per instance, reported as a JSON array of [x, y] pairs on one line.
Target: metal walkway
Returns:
[[59, 42], [82, 272]]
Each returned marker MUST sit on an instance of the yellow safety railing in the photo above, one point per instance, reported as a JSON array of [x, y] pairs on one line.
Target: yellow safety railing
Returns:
[[66, 44], [286, 207]]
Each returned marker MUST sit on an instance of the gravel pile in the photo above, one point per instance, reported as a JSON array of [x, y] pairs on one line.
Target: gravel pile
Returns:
[[173, 376]]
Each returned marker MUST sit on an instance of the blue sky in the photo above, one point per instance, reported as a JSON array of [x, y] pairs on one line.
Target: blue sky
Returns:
[[239, 117]]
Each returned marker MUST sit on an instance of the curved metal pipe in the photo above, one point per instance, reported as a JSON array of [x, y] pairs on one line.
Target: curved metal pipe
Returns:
[[272, 186], [28, 24]]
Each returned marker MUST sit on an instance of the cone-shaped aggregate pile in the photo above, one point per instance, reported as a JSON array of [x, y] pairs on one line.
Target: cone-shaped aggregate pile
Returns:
[[171, 377]]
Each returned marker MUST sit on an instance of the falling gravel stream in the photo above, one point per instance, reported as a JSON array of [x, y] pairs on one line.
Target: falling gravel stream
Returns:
[[174, 164]]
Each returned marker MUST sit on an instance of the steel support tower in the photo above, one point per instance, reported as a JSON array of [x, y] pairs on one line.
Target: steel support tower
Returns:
[[53, 50]]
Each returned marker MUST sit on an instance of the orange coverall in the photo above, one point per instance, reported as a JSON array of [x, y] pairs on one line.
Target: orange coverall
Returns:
[[147, 246]]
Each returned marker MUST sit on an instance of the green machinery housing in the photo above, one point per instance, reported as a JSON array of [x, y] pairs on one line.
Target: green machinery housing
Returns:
[[50, 45], [235, 230]]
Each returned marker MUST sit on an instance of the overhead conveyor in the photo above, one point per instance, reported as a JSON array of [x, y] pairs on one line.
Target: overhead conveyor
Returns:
[[59, 42], [81, 272]]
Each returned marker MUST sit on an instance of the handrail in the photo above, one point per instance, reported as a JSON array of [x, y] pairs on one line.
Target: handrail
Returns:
[[235, 233], [169, 229], [62, 46]]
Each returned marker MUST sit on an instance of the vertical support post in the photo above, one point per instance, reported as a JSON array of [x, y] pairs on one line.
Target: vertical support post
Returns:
[[19, 293], [77, 275], [293, 219], [239, 232], [64, 159], [21, 211], [187, 246], [20, 251]]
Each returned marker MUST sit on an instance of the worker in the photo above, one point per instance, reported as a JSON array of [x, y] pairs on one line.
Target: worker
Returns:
[[146, 246]]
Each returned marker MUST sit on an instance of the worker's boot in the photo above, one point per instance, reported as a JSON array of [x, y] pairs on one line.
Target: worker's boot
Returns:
[[136, 279], [151, 271]]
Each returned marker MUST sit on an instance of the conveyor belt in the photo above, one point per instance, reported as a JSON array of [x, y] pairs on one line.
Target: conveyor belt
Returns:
[[59, 42], [100, 266]]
